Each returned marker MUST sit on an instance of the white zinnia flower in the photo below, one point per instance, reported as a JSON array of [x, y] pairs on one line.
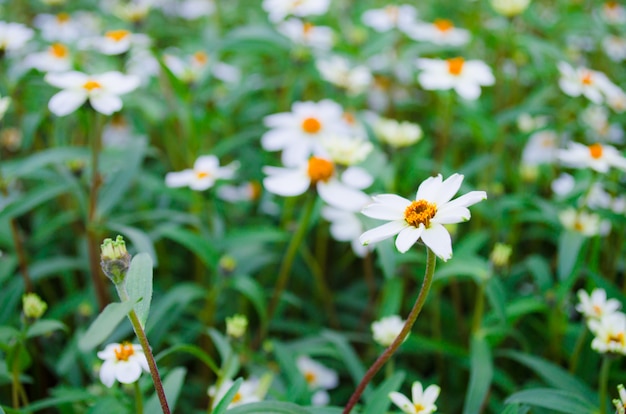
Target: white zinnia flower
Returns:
[[195, 67], [440, 32], [389, 17], [102, 91], [613, 12], [596, 305], [387, 329], [279, 9], [541, 148], [189, 9], [423, 401], [346, 226], [563, 184], [246, 393], [318, 377], [55, 59], [206, 170], [583, 81], [615, 47], [13, 36], [423, 218], [610, 333], [340, 72], [122, 362], [465, 77], [397, 133], [307, 34], [346, 150], [587, 224], [596, 156]]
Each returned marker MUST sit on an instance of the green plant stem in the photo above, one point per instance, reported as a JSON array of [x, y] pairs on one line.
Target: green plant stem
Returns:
[[15, 376], [145, 345], [431, 260], [480, 307], [603, 382], [580, 342], [138, 399]]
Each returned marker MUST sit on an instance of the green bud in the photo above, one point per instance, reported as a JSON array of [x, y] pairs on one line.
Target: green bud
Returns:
[[500, 254], [114, 259], [227, 264], [236, 325], [33, 306]]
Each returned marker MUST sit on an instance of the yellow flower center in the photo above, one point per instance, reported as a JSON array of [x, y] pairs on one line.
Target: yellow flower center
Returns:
[[237, 397], [349, 118], [201, 174], [91, 85], [420, 212], [455, 65], [63, 18], [309, 377], [618, 337], [587, 78], [117, 35], [58, 50], [201, 58], [124, 351], [320, 169], [443, 25], [597, 310], [311, 125], [595, 150], [418, 407], [307, 27], [611, 5]]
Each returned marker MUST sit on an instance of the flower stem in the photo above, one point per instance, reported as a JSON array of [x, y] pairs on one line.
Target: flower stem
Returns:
[[603, 382], [138, 399], [145, 345], [406, 329], [580, 342]]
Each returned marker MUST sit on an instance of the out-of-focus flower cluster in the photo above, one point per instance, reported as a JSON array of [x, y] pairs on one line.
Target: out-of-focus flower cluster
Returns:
[[604, 320]]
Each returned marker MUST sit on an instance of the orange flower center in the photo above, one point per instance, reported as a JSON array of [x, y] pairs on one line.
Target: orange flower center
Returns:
[[597, 310], [58, 50], [611, 5], [237, 397], [311, 125], [349, 118], [587, 78], [320, 170], [117, 35], [595, 150], [420, 212], [455, 65], [443, 25], [201, 58], [124, 351], [201, 174], [91, 85], [618, 337], [307, 27], [309, 377], [63, 18]]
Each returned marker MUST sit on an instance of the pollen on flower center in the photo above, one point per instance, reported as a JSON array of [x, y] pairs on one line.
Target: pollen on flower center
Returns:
[[595, 150], [90, 85], [58, 50], [320, 169], [117, 35], [201, 58], [201, 174], [237, 397], [392, 12], [307, 27], [618, 337], [420, 212], [309, 377], [587, 78], [418, 407], [597, 309], [311, 125], [124, 352], [443, 25], [455, 65], [63, 18]]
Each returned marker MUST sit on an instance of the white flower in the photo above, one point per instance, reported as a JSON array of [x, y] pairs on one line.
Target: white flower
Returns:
[[65, 28], [338, 71], [117, 132], [196, 66], [122, 362], [597, 197], [563, 184], [596, 117], [246, 393], [13, 36], [206, 170], [613, 12], [279, 9], [116, 42], [587, 224], [596, 156], [610, 333], [247, 191], [298, 133], [465, 77], [527, 123], [423, 218], [615, 47], [102, 91], [616, 98], [342, 191], [317, 376], [397, 133], [583, 81], [142, 63], [55, 59], [541, 148], [509, 7], [596, 305], [307, 34], [346, 150], [423, 400], [389, 17], [440, 32], [387, 329], [346, 226]]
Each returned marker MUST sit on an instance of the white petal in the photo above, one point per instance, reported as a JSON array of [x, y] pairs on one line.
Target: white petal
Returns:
[[466, 200], [127, 372], [467, 89], [429, 188], [106, 103], [140, 358], [452, 215], [207, 163], [402, 402], [448, 189], [430, 394], [179, 178], [383, 232], [417, 392], [275, 139], [66, 80], [118, 83], [341, 196], [201, 184], [66, 102], [437, 238], [295, 153], [407, 238], [387, 207], [287, 183], [357, 177], [107, 373]]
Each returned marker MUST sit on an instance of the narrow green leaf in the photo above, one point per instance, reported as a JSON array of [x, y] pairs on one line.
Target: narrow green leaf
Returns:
[[379, 401], [496, 294], [201, 246], [193, 350], [139, 285], [44, 326], [104, 324], [32, 199], [349, 358], [69, 396], [222, 406], [570, 243], [557, 400], [481, 373], [172, 384], [251, 289], [270, 407], [37, 161]]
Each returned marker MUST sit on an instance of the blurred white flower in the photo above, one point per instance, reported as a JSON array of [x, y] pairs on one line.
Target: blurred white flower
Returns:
[[347, 227], [340, 72], [122, 362], [101, 90], [142, 63], [613, 12], [423, 218], [465, 77], [422, 401], [541, 148], [60, 27], [318, 377], [246, 394], [583, 81], [298, 133], [339, 190], [307, 34], [614, 47], [117, 132], [440, 32], [610, 334], [56, 58], [206, 170], [390, 17], [596, 156], [509, 7], [397, 134], [247, 191], [279, 9], [587, 224], [596, 117], [387, 329], [616, 98], [195, 67], [597, 197], [346, 150], [116, 42], [563, 184], [132, 11], [596, 305], [528, 123], [13, 36]]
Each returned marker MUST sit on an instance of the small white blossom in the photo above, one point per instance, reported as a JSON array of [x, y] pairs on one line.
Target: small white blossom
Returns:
[[610, 334], [465, 77], [206, 170], [422, 401], [596, 156], [122, 362], [13, 36], [587, 224], [246, 394], [440, 32], [389, 17], [596, 305], [387, 329]]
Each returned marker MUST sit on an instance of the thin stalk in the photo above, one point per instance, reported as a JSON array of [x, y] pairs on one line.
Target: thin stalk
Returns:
[[138, 399], [15, 375], [603, 382], [580, 342], [480, 307], [145, 345], [431, 260]]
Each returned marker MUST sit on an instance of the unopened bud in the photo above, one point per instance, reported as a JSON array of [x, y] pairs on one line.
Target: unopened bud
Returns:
[[236, 325], [114, 259], [33, 306]]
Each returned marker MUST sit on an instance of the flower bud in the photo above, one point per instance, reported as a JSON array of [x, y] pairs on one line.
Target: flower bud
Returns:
[[509, 8], [500, 254], [33, 306], [114, 259], [236, 325]]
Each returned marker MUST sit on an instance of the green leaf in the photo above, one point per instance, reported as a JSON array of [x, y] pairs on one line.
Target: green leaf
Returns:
[[349, 358], [481, 373], [222, 406], [393, 291], [496, 294], [67, 397], [379, 401], [44, 326], [251, 289], [558, 400], [104, 324], [193, 350], [570, 244], [37, 161], [172, 384], [139, 285], [464, 266], [32, 199], [270, 407], [198, 244]]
